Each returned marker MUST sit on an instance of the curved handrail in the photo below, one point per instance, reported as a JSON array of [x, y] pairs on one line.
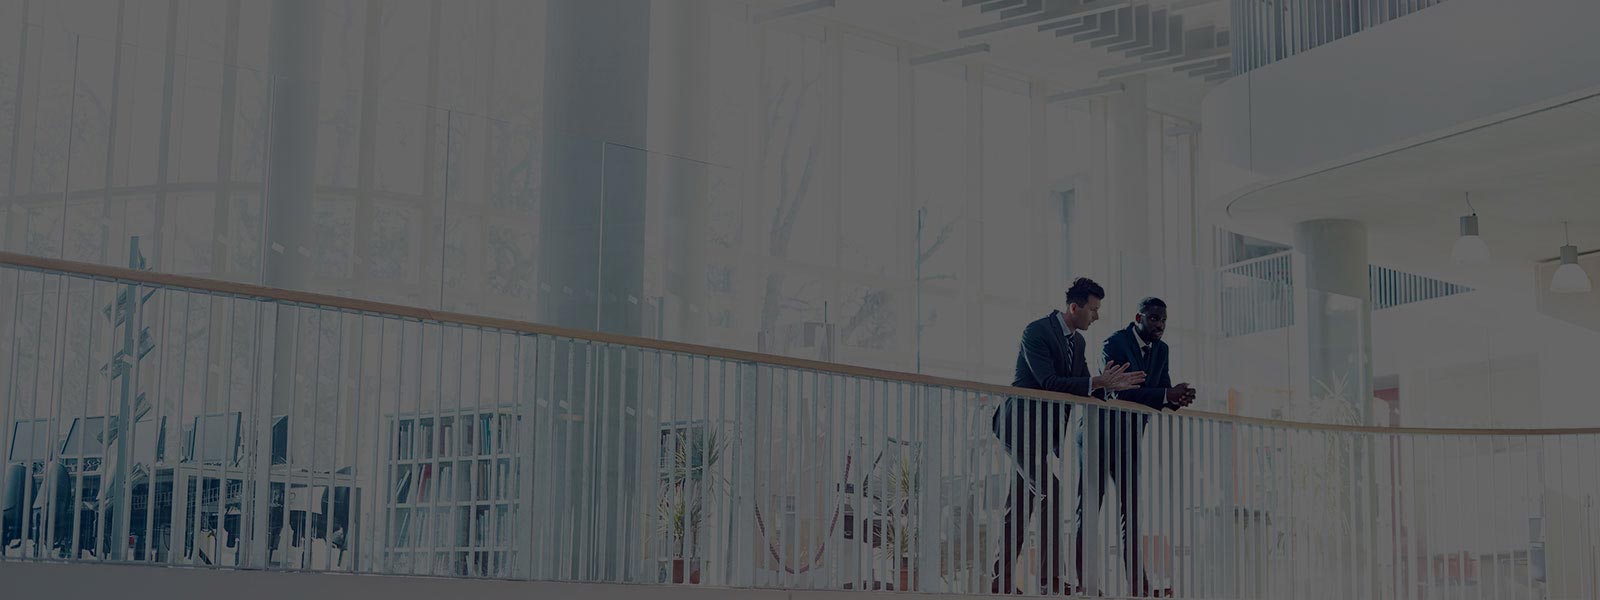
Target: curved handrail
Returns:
[[353, 304]]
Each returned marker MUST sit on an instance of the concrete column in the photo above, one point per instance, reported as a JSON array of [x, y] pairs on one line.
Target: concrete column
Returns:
[[294, 62], [1128, 201], [1338, 307], [592, 218], [1334, 302]]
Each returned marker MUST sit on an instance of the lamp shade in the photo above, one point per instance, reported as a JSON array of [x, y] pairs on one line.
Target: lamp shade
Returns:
[[1569, 277], [1470, 249]]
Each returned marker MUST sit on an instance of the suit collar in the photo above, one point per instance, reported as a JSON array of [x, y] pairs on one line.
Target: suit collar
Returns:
[[1059, 320]]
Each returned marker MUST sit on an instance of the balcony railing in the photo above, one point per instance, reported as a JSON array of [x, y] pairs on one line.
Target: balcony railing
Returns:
[[1268, 31], [178, 421]]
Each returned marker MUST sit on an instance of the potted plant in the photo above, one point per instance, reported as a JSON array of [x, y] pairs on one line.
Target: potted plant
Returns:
[[902, 488], [1318, 475], [687, 476], [677, 515]]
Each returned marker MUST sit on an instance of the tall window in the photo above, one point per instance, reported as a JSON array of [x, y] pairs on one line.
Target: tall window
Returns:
[[941, 190], [1008, 250]]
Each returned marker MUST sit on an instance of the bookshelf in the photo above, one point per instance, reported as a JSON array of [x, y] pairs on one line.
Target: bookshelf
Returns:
[[452, 501]]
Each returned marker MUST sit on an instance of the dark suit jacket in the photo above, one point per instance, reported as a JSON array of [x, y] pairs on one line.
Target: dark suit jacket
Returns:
[[1045, 361], [1123, 347]]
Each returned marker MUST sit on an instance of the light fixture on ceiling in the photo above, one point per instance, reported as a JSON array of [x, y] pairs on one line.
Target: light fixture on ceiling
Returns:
[[1569, 277], [1470, 249]]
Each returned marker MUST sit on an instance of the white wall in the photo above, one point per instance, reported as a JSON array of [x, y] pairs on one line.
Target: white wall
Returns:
[[1486, 359]]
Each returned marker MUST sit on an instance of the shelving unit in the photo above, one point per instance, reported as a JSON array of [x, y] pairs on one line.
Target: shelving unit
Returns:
[[452, 492]]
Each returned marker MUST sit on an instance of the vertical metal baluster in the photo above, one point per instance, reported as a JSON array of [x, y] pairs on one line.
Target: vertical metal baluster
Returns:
[[477, 554], [1160, 495], [434, 522], [1533, 480], [427, 454], [76, 499], [625, 414], [398, 536], [1405, 527], [1204, 577], [223, 460], [156, 407], [933, 407], [502, 452], [773, 517], [660, 417], [1216, 495], [723, 507], [831, 489], [1240, 509], [12, 348], [313, 408], [1292, 554], [84, 413], [1344, 476], [1557, 531], [1425, 539], [598, 488], [1417, 563], [1367, 446], [793, 444], [352, 517], [861, 464], [229, 334], [31, 545], [336, 455], [547, 521], [337, 442], [1437, 578], [749, 464], [583, 443], [523, 463], [56, 397], [365, 530], [564, 529], [188, 528], [900, 511], [376, 538], [1220, 455]]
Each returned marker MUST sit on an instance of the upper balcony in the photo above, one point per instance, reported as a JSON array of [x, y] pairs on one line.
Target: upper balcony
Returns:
[[1359, 98], [175, 421]]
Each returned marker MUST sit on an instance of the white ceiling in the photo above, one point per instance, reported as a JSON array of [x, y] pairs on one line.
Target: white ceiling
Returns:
[[1526, 175]]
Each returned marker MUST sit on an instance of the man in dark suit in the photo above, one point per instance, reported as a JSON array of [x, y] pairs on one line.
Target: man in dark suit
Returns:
[[1119, 433], [1051, 358]]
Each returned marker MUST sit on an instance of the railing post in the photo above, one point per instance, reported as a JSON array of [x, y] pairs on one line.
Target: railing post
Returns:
[[1088, 473], [255, 536], [525, 380], [743, 551], [925, 409]]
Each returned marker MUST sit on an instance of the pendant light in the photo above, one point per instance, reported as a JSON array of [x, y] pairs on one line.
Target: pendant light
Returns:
[[1470, 249], [1569, 278]]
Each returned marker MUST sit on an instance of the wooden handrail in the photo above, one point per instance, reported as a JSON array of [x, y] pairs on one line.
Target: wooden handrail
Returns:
[[246, 290]]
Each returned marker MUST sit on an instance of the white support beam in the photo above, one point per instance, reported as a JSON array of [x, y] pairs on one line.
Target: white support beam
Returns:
[[792, 9], [948, 54], [1052, 13], [1099, 90], [1157, 65]]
